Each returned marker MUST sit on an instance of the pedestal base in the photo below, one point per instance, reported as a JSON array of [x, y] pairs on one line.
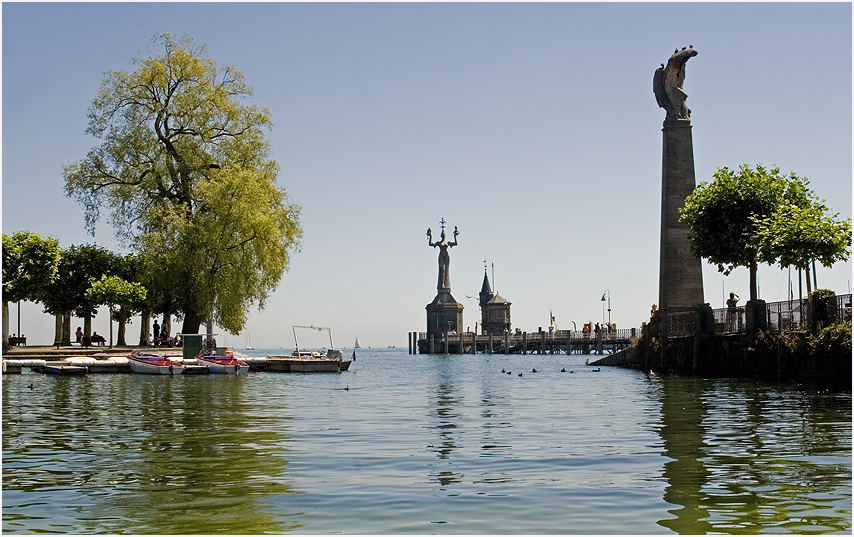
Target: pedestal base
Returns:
[[444, 315]]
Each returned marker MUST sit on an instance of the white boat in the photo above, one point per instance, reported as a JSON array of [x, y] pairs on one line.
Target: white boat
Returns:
[[226, 364], [357, 345], [154, 364]]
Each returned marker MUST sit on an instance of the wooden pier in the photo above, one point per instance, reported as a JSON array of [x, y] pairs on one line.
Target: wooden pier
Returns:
[[540, 342]]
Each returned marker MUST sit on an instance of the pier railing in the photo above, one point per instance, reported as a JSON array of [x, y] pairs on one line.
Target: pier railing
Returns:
[[779, 316], [542, 342], [619, 334]]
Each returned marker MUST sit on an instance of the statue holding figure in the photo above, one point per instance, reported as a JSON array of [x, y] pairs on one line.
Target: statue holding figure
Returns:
[[667, 84], [444, 257]]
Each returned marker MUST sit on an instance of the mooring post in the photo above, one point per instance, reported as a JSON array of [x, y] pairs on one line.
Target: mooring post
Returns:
[[462, 350], [432, 344], [506, 343], [568, 342], [490, 344], [447, 340], [524, 342]]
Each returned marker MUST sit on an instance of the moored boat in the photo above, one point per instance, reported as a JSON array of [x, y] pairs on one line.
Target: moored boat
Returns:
[[226, 364], [154, 364], [58, 368], [306, 361]]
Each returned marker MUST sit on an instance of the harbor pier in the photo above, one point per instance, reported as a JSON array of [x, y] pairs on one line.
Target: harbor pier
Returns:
[[539, 342]]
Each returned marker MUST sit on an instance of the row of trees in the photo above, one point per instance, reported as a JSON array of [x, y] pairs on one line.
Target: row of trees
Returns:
[[750, 216], [76, 281], [187, 177]]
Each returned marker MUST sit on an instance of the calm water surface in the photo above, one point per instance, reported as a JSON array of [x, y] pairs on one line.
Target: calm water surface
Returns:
[[424, 444]]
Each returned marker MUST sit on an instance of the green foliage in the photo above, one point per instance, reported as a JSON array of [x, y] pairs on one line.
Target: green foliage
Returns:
[[186, 173], [115, 292], [753, 215], [833, 341], [78, 265], [725, 216], [796, 235], [823, 309], [29, 265]]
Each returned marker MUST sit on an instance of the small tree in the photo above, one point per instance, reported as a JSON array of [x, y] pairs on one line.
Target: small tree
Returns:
[[66, 294], [115, 292], [29, 266], [796, 235], [725, 217]]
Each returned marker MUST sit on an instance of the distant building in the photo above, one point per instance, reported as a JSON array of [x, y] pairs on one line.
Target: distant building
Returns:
[[494, 310]]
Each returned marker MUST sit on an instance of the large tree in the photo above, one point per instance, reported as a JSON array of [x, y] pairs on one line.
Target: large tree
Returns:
[[737, 220], [187, 174], [29, 266]]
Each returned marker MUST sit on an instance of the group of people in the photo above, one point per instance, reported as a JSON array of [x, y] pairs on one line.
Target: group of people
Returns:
[[94, 339], [161, 335]]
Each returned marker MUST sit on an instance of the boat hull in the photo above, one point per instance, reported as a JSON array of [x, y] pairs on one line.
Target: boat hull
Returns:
[[154, 366], [54, 369], [224, 365], [295, 364]]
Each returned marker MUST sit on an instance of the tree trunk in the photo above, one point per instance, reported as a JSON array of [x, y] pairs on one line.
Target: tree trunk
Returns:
[[110, 318], [5, 326], [192, 321], [753, 292], [87, 325], [144, 319], [66, 329], [120, 337], [809, 286], [57, 332]]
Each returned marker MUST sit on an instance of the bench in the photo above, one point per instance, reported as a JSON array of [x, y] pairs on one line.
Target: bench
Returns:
[[22, 340]]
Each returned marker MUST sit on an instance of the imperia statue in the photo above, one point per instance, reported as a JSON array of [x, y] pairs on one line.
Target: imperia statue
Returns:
[[444, 257]]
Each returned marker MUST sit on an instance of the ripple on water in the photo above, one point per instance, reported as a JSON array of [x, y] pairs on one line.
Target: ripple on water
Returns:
[[423, 444]]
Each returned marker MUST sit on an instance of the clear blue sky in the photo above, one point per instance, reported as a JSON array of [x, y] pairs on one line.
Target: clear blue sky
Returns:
[[531, 127]]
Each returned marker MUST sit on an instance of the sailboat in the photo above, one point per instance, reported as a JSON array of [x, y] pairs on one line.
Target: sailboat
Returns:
[[357, 345], [249, 346]]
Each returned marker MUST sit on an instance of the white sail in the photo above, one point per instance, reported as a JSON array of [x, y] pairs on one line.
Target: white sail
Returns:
[[249, 346], [357, 345]]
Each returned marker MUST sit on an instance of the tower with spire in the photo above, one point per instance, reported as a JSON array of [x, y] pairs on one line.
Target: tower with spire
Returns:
[[494, 310]]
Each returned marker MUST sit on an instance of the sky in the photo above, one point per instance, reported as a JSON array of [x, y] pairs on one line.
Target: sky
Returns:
[[532, 128]]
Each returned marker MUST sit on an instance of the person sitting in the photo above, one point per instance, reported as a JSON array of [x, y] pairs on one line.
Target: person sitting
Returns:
[[79, 335], [98, 339]]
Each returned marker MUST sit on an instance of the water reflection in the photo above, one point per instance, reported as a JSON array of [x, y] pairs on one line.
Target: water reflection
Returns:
[[172, 455], [682, 411], [748, 458]]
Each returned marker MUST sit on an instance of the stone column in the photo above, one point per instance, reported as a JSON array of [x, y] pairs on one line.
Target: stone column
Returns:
[[680, 284]]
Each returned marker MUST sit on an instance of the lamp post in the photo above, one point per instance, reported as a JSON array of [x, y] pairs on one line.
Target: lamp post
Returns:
[[609, 307]]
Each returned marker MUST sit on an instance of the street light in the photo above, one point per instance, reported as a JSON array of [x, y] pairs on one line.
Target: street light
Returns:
[[609, 308]]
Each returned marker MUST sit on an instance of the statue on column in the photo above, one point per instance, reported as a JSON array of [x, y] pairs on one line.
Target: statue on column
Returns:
[[667, 84], [444, 257]]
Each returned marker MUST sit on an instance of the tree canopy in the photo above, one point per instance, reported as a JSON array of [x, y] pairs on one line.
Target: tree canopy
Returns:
[[29, 265], [115, 293], [744, 217], [186, 172]]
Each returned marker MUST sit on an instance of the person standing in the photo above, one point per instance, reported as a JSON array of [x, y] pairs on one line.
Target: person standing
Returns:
[[156, 331], [732, 311]]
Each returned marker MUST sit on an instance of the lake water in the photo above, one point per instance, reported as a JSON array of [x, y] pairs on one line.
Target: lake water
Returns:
[[423, 444]]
